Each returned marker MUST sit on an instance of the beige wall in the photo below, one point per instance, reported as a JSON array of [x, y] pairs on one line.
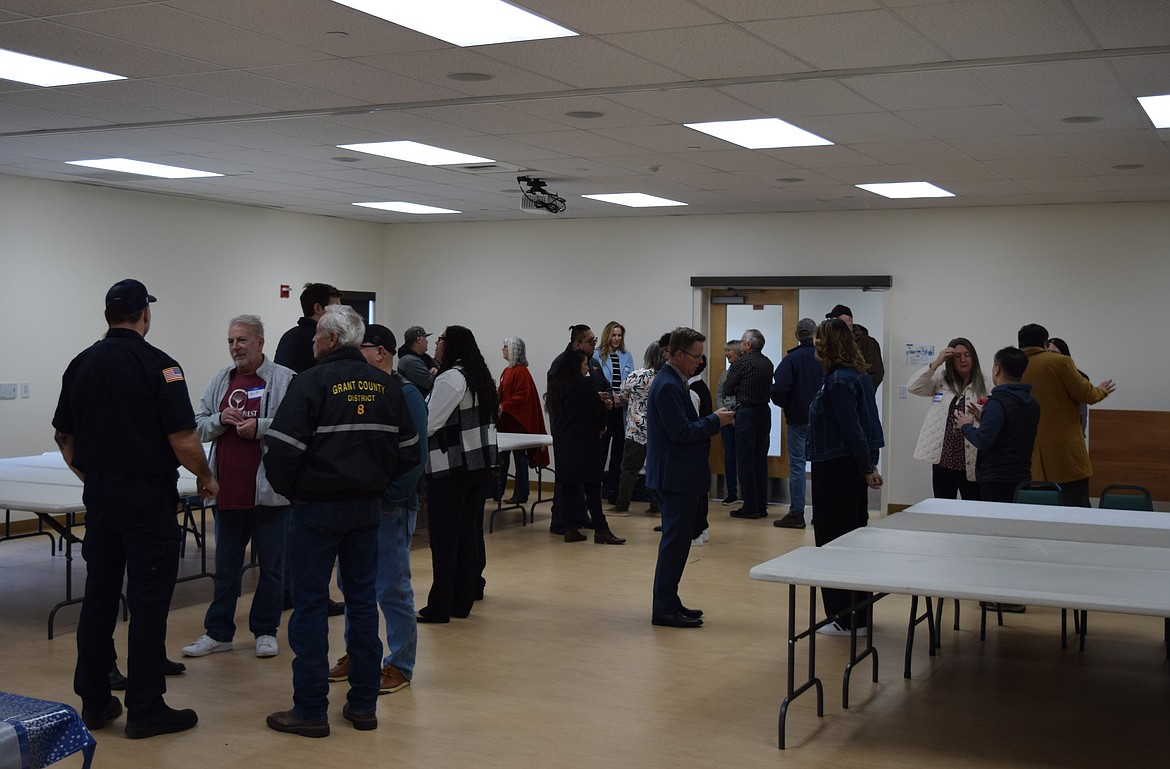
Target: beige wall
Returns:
[[63, 245], [1094, 274]]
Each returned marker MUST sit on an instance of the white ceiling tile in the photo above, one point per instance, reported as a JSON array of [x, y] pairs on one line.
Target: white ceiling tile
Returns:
[[1119, 115], [356, 80], [272, 94], [706, 53], [1109, 143], [1145, 75], [923, 90], [434, 66], [929, 150], [818, 157], [1103, 165], [962, 122], [614, 114], [689, 105], [489, 118], [1135, 181], [582, 62], [799, 98], [992, 28], [592, 143], [863, 128], [1051, 81], [598, 17], [1036, 168], [734, 161], [848, 40], [663, 138], [1062, 184], [753, 10], [1126, 23], [1006, 147]]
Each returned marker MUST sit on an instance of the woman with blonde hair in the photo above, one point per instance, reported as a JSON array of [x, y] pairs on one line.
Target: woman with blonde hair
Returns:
[[617, 364]]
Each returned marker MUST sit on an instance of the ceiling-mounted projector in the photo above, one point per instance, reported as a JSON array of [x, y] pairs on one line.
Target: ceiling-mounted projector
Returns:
[[537, 198]]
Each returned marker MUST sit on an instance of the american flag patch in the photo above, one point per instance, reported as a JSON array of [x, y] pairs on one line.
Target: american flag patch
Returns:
[[173, 374]]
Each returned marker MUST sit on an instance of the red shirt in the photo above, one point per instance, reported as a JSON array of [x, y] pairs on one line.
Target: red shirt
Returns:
[[239, 458]]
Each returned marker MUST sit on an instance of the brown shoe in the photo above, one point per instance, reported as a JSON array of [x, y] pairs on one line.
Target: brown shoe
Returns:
[[340, 671], [574, 535], [606, 537], [392, 680]]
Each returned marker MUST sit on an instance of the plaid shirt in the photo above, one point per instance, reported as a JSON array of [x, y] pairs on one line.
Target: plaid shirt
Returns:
[[750, 379]]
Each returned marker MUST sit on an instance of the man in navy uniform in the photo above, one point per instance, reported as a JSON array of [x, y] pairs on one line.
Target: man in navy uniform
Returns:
[[124, 424]]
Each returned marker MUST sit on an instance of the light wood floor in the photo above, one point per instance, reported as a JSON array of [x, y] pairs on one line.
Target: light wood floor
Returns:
[[560, 667]]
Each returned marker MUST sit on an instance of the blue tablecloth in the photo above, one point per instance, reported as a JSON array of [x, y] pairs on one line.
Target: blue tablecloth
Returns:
[[35, 733]]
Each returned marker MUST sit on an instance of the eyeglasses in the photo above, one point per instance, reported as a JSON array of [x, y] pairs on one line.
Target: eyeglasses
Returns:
[[589, 340], [692, 355]]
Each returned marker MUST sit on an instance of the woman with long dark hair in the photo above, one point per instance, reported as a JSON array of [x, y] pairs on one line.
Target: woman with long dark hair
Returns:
[[462, 452], [844, 436], [952, 381], [577, 418]]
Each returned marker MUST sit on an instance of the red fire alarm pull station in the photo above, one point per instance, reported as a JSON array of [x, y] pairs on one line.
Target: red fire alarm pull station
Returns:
[[284, 291]]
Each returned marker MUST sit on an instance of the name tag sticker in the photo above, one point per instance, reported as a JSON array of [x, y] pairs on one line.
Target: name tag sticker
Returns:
[[938, 396], [257, 392]]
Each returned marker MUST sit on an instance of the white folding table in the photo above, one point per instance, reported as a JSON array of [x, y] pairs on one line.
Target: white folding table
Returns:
[[521, 442]]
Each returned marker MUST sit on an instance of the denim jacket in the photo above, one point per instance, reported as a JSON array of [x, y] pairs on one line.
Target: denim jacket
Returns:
[[843, 420]]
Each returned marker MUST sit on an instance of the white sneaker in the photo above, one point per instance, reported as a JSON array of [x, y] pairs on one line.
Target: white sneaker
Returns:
[[697, 541], [706, 537], [206, 645], [266, 646], [836, 628]]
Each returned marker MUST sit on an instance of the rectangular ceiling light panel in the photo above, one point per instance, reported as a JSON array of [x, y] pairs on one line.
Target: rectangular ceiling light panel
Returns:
[[142, 168], [635, 200], [1158, 108], [760, 134], [463, 22], [413, 152], [34, 70], [407, 208], [906, 190]]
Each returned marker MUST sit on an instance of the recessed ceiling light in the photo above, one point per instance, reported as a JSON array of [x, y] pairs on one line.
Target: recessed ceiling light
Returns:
[[346, 159], [790, 179], [470, 77], [142, 168], [906, 190], [1158, 108], [22, 68], [413, 152], [337, 33], [762, 133], [634, 200], [464, 22], [1127, 166], [585, 114], [1078, 119], [407, 208]]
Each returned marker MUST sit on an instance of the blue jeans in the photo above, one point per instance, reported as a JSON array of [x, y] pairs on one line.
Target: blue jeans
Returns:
[[319, 533], [520, 488], [267, 528], [395, 592], [753, 426], [730, 471], [797, 435]]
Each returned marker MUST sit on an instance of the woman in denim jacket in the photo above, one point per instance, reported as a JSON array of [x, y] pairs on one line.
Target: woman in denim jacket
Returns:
[[844, 437]]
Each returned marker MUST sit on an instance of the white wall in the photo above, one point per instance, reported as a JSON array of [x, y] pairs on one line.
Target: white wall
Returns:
[[1094, 274], [63, 245]]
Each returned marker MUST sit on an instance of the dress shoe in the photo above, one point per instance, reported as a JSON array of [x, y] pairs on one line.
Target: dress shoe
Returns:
[[574, 535], [658, 527], [172, 668], [289, 722], [96, 718], [514, 501], [692, 613], [676, 619], [161, 720], [606, 537], [730, 499], [790, 521], [428, 616], [742, 513], [363, 722], [117, 680], [336, 608]]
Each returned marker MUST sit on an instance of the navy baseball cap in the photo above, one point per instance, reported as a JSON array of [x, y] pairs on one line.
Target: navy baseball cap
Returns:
[[128, 296]]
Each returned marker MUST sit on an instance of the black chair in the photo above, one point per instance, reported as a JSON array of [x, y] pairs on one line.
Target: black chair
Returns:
[[1121, 496]]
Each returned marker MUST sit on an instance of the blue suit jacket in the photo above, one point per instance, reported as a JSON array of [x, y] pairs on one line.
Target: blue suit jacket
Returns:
[[676, 437]]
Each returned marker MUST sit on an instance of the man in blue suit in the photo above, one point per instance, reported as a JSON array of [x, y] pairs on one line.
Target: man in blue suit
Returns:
[[677, 447]]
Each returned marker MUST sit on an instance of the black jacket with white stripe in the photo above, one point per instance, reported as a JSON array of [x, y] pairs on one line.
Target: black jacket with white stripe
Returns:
[[342, 432]]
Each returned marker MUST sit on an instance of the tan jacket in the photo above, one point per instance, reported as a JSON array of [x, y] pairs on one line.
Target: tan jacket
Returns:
[[1059, 454]]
